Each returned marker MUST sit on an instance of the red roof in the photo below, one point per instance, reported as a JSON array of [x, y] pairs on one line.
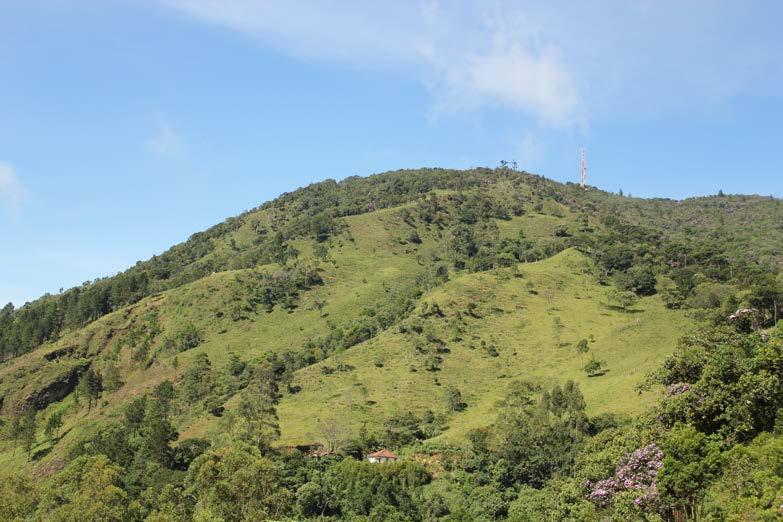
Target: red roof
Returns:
[[384, 453]]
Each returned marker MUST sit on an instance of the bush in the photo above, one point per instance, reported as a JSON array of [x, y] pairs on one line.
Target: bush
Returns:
[[454, 400], [595, 368], [186, 339]]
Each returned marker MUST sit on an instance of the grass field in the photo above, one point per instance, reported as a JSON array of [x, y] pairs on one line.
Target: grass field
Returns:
[[516, 315]]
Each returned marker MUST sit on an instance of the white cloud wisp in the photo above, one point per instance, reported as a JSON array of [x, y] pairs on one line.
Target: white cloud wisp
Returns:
[[13, 194], [468, 57]]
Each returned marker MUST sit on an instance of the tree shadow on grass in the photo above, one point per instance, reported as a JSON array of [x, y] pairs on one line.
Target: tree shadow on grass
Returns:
[[41, 453], [630, 311]]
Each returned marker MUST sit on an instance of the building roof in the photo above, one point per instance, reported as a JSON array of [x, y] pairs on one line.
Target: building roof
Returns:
[[384, 453]]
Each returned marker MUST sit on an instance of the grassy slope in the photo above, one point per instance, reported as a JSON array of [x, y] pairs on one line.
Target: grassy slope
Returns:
[[521, 325], [364, 261]]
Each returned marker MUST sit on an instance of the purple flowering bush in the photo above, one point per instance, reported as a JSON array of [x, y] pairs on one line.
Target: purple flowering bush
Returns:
[[635, 474]]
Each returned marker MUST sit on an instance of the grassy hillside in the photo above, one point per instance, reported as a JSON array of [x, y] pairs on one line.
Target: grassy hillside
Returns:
[[511, 333], [371, 258], [491, 326]]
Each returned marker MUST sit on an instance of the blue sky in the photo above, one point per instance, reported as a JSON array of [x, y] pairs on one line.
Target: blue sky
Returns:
[[125, 126]]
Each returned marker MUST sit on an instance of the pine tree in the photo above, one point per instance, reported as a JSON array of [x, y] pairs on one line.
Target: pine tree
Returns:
[[157, 433], [53, 424], [27, 430], [90, 386], [15, 431]]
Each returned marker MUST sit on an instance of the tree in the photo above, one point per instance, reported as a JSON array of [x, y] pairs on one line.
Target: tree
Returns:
[[334, 433], [594, 368], [134, 413], [684, 279], [461, 244], [401, 429], [88, 489], [53, 424], [377, 492], [454, 400], [320, 251], [90, 386], [157, 433], [633, 483], [164, 392], [235, 365], [486, 503], [197, 381], [27, 429], [535, 435], [561, 231], [279, 251], [623, 299], [557, 328], [236, 483], [188, 338], [314, 499], [750, 481], [767, 297], [111, 377], [638, 279], [582, 347], [19, 497], [13, 431], [690, 463], [255, 421]]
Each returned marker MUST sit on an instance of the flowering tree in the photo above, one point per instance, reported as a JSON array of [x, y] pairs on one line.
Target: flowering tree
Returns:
[[636, 474]]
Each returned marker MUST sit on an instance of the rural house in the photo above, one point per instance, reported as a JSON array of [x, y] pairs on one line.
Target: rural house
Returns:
[[383, 455]]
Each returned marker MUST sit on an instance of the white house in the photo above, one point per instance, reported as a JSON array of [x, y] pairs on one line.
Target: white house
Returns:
[[383, 455]]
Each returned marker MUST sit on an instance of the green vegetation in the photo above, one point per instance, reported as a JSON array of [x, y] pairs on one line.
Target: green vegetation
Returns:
[[531, 350]]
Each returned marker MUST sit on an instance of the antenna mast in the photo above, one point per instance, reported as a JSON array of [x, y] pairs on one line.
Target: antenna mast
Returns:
[[583, 178]]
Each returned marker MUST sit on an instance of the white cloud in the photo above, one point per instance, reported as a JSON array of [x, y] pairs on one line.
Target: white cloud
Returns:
[[558, 62], [515, 78], [13, 195], [166, 142], [469, 55]]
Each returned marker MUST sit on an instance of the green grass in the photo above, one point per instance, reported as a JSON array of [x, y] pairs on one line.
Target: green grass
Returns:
[[521, 325], [365, 261]]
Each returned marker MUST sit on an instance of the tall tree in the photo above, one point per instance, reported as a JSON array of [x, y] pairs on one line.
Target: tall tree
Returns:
[[27, 431], [255, 421], [90, 386], [53, 424], [157, 433]]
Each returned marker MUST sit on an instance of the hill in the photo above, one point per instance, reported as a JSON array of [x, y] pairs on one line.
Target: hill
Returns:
[[404, 305]]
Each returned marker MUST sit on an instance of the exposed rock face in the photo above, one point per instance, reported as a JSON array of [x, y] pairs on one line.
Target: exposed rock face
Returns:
[[65, 351], [57, 389]]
